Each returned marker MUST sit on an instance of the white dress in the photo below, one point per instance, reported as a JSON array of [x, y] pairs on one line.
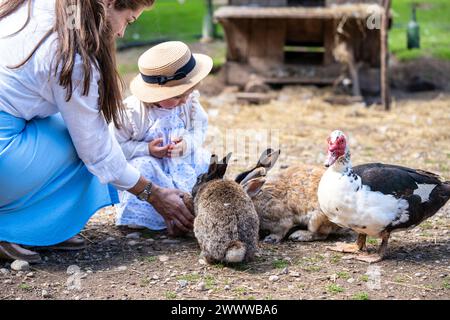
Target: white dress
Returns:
[[144, 124]]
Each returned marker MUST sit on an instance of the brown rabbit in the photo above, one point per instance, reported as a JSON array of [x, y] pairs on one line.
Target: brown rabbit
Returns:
[[287, 200], [226, 224]]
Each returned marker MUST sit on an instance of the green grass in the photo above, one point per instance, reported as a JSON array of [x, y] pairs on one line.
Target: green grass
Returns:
[[360, 296], [311, 263], [336, 258], [343, 275], [129, 68], [240, 290], [219, 60], [334, 288], [171, 295], [209, 282], [189, 277], [446, 283], [149, 259], [280, 263], [24, 286], [168, 19], [433, 18], [372, 241], [364, 278]]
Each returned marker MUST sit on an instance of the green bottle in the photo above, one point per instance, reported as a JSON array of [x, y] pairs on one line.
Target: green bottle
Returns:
[[413, 32]]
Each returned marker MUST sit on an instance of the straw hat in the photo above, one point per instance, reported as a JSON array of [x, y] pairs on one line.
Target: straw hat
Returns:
[[168, 70]]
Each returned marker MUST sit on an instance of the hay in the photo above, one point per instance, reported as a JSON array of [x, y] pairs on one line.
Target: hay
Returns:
[[416, 133]]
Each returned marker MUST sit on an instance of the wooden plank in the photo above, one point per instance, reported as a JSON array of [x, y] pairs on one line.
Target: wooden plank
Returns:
[[240, 74], [262, 3], [258, 37], [275, 41], [227, 26], [385, 90], [356, 11], [257, 44], [344, 100], [308, 30], [237, 35], [334, 2], [330, 27]]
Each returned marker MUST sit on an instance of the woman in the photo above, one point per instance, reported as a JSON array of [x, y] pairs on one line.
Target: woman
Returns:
[[59, 89]]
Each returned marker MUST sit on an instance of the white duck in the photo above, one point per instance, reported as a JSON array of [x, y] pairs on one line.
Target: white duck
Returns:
[[375, 199]]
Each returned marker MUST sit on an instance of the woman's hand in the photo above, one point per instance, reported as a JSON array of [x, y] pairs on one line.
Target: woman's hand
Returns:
[[157, 151], [177, 149], [169, 204]]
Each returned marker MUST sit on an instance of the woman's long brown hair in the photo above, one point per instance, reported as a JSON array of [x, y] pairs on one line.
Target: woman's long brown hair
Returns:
[[89, 36]]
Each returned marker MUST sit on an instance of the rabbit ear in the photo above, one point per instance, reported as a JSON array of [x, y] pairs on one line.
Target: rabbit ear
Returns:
[[222, 167], [227, 158], [213, 165], [268, 158], [256, 173], [242, 176], [253, 187]]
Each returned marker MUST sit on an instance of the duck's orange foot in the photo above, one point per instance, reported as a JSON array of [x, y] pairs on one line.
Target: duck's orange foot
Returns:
[[345, 247]]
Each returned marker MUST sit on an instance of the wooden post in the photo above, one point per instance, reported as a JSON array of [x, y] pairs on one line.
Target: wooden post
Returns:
[[208, 32], [385, 90]]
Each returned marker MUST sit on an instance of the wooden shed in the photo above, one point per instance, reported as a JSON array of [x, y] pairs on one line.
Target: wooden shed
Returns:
[[308, 42]]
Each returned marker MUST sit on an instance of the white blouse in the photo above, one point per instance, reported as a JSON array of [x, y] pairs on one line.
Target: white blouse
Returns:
[[32, 91], [135, 133]]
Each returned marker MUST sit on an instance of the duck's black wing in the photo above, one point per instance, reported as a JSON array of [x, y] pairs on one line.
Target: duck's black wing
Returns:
[[401, 182], [394, 180]]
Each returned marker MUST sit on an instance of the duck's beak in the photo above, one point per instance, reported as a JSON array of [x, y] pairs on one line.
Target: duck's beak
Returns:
[[331, 159]]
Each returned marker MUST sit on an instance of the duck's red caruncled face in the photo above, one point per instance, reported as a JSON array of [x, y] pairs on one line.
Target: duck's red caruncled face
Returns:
[[337, 145]]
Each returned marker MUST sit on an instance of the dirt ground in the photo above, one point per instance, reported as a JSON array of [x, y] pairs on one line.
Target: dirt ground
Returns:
[[150, 265]]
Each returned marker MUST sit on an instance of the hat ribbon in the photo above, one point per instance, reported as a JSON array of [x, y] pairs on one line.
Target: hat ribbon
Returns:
[[179, 74]]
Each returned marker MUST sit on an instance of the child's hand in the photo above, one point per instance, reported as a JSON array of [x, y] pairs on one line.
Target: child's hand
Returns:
[[157, 151], [177, 148]]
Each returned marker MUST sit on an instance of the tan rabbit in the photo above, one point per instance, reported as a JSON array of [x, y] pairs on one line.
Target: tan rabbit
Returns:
[[226, 224], [288, 200]]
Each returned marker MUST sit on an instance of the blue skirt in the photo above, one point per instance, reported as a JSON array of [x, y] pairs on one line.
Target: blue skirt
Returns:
[[47, 195]]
